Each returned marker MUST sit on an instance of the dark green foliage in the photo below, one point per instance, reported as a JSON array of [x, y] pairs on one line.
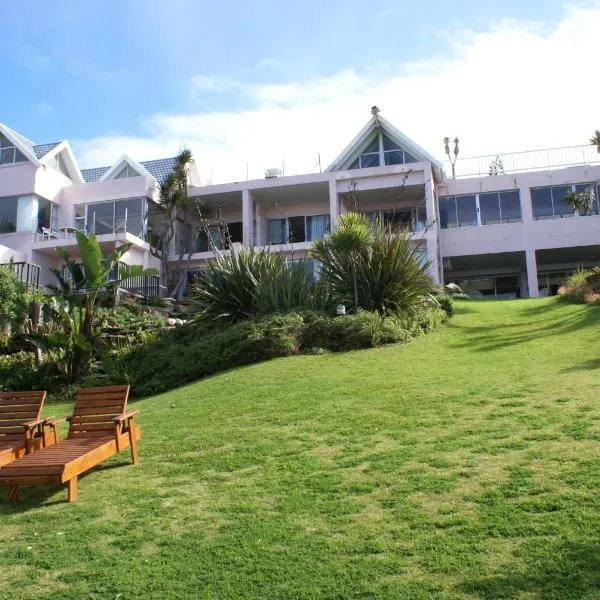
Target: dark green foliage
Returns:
[[13, 305], [238, 285], [194, 351], [445, 303], [18, 371], [384, 274]]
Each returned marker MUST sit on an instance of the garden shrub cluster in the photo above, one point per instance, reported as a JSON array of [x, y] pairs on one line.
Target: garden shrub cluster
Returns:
[[582, 286], [196, 350]]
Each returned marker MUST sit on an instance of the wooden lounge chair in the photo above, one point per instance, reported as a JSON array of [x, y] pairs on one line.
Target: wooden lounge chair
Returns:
[[21, 429], [98, 428]]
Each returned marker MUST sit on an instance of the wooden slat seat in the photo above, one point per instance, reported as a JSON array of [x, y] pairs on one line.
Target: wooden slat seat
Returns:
[[99, 427], [21, 430]]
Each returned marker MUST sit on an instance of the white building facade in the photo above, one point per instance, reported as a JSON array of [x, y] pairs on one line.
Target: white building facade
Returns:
[[504, 235]]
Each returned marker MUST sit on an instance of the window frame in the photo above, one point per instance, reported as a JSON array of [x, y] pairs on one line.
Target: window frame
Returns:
[[573, 188]]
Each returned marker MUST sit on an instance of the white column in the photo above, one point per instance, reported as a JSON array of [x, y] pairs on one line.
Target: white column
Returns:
[[261, 226], [435, 268], [433, 227], [247, 218], [532, 275], [334, 203]]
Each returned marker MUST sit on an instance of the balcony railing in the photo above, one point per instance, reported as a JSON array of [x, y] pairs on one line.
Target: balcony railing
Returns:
[[144, 285], [519, 162], [26, 273]]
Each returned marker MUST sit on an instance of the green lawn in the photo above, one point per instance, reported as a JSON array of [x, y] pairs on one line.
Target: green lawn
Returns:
[[465, 464]]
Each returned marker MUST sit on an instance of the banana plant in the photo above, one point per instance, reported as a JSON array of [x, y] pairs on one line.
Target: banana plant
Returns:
[[76, 298]]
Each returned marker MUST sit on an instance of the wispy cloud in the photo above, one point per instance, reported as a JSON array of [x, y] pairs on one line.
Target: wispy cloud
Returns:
[[514, 86]]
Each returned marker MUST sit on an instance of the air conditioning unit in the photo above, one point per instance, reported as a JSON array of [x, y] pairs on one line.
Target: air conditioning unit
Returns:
[[272, 173]]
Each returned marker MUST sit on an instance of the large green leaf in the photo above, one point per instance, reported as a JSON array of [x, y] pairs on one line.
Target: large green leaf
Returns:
[[91, 257]]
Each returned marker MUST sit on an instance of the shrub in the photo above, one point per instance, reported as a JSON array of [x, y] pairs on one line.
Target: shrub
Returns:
[[445, 303], [236, 286], [383, 274], [18, 371], [196, 350], [13, 305]]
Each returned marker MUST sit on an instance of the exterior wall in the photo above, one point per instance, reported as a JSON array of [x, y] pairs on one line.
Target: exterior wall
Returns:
[[530, 234], [17, 179]]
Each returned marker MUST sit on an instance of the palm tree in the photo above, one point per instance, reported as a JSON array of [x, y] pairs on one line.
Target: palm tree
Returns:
[[595, 140], [343, 245]]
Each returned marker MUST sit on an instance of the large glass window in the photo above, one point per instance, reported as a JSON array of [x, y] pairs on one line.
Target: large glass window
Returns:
[[298, 229], [479, 209], [120, 216], [9, 153], [548, 202], [126, 172], [466, 211], [8, 214]]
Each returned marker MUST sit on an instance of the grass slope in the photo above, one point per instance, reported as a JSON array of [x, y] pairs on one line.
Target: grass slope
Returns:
[[465, 464]]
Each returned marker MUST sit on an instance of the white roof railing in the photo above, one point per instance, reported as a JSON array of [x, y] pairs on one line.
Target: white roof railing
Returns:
[[529, 160]]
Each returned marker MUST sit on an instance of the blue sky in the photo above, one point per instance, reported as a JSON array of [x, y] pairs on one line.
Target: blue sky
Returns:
[[99, 70]]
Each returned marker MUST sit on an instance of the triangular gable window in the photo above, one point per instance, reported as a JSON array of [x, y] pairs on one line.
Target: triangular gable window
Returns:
[[381, 151], [126, 172], [58, 162], [9, 153]]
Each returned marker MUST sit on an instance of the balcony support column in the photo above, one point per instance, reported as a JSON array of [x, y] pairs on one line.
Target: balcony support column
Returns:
[[334, 203], [247, 218], [532, 274]]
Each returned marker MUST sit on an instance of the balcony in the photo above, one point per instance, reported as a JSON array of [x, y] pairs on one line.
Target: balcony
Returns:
[[521, 162], [26, 273]]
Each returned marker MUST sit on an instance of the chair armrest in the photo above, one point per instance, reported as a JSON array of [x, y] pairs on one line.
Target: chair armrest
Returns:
[[54, 422], [35, 423], [125, 416]]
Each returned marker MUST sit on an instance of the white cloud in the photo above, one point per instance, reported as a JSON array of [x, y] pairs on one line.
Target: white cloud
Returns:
[[516, 86]]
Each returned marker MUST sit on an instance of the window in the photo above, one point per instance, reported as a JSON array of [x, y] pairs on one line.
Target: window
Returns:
[[9, 154], [499, 207], [412, 219], [548, 203], [298, 229], [58, 162], [126, 172], [8, 214], [120, 216], [490, 208], [381, 151], [458, 211]]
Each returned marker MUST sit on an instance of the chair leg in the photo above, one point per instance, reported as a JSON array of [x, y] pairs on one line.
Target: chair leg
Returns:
[[133, 444], [13, 493], [73, 489]]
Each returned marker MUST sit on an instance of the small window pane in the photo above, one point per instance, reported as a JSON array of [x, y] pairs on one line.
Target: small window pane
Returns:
[[372, 147], [297, 232], [394, 157], [447, 212], [466, 210], [582, 188], [101, 218], [7, 156], [389, 145], [235, 232], [489, 207], [316, 227], [369, 160], [354, 165], [541, 203], [277, 231], [5, 142], [19, 156], [561, 208], [510, 205], [409, 158]]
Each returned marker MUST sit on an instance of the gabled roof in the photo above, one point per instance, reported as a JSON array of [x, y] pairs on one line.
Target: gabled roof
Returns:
[[42, 149], [116, 168], [93, 175], [378, 123], [21, 143], [64, 149], [159, 169]]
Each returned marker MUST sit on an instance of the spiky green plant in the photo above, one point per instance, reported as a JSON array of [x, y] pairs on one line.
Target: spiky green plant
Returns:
[[385, 275], [237, 285]]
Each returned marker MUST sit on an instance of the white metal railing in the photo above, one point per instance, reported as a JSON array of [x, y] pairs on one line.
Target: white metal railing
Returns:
[[529, 160]]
